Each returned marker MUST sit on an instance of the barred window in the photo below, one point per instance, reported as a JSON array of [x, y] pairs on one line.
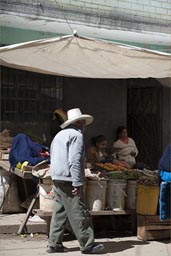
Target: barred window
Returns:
[[28, 96]]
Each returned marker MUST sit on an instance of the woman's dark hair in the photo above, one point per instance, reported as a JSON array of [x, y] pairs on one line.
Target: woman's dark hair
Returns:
[[55, 124], [119, 130], [58, 117], [97, 139]]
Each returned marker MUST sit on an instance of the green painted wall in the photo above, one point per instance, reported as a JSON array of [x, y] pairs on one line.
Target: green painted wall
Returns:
[[14, 35]]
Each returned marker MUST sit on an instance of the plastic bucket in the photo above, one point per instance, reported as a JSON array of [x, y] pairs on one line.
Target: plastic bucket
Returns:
[[131, 191], [95, 194], [116, 194], [46, 197], [147, 199]]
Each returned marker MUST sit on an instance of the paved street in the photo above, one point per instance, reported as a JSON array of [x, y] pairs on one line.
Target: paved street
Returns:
[[116, 243], [12, 245]]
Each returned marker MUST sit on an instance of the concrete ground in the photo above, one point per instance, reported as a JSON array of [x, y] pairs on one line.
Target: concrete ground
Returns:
[[34, 243], [126, 246]]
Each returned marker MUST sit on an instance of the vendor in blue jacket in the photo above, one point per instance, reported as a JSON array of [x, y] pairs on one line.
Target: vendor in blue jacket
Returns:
[[67, 157], [164, 165]]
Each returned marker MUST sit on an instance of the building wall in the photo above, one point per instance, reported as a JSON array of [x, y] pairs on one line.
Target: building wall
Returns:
[[151, 14], [116, 20], [106, 100], [109, 102]]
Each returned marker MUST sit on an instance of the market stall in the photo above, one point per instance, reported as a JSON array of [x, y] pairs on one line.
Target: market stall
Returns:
[[109, 189], [75, 56], [18, 188], [119, 191]]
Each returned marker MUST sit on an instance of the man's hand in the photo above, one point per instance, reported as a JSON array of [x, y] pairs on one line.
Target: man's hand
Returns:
[[76, 191]]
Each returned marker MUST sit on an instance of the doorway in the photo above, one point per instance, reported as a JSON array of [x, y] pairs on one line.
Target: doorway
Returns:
[[144, 119]]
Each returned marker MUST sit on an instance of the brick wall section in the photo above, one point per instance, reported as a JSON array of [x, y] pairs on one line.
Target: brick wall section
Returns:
[[149, 15]]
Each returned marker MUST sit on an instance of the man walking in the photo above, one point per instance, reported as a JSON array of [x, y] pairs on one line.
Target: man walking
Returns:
[[67, 172]]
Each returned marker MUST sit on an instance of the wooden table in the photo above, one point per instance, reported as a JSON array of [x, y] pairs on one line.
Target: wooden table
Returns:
[[26, 174], [149, 227], [47, 216]]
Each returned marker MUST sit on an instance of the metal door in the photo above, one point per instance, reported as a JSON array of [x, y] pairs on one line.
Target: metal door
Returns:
[[144, 120]]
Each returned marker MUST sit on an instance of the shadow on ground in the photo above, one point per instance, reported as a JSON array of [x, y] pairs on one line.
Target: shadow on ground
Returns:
[[113, 247]]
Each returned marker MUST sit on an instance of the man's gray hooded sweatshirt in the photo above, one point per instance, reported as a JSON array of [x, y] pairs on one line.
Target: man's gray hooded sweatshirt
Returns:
[[68, 156]]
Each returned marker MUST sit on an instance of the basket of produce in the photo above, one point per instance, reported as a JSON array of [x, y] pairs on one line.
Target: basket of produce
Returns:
[[110, 167], [133, 174], [117, 175], [149, 177]]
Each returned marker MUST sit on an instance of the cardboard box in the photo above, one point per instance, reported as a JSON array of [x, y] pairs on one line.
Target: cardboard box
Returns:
[[4, 155]]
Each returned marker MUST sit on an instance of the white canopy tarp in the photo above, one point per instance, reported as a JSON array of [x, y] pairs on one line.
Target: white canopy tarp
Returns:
[[76, 56]]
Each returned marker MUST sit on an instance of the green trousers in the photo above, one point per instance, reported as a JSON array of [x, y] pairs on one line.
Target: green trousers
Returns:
[[73, 208]]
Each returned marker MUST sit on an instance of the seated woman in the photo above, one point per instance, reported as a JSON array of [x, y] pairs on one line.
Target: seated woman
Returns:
[[95, 153], [125, 147]]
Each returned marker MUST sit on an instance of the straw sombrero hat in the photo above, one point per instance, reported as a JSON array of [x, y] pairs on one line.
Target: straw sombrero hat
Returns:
[[76, 115]]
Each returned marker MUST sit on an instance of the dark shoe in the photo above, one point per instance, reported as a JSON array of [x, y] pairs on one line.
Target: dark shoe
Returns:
[[96, 248], [57, 249]]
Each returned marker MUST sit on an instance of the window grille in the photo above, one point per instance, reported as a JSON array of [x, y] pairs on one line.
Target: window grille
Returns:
[[28, 96]]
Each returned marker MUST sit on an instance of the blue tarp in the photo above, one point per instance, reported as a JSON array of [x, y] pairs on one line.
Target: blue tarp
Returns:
[[165, 160], [164, 168], [24, 149], [164, 201]]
